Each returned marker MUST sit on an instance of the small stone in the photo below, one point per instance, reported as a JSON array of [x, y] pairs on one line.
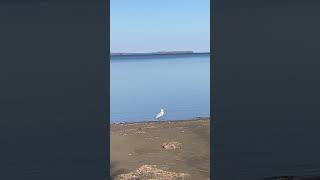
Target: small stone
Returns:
[[171, 145]]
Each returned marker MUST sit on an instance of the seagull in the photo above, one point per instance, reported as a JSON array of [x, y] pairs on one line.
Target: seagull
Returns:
[[160, 114]]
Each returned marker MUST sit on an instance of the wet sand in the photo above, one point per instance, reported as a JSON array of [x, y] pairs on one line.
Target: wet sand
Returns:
[[138, 144]]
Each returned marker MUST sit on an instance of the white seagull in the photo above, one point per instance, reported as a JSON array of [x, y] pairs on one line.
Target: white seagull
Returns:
[[160, 114]]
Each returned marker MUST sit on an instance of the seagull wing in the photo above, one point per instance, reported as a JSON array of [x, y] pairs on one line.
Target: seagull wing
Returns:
[[158, 115]]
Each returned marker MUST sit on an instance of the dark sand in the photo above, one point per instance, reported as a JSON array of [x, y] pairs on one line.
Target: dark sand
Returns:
[[138, 144]]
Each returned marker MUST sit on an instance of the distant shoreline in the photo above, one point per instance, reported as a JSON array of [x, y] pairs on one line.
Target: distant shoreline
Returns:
[[159, 53]]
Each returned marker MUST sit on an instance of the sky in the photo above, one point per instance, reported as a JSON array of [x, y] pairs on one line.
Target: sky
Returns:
[[159, 25]]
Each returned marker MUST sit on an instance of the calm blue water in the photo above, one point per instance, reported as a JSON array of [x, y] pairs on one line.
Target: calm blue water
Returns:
[[141, 85]]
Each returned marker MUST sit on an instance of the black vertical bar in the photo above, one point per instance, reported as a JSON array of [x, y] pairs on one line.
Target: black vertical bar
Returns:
[[53, 94]]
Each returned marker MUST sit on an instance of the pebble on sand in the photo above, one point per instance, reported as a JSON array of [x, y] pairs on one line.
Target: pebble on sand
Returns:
[[171, 145]]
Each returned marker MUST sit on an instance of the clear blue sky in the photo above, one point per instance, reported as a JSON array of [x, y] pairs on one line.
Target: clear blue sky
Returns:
[[159, 25]]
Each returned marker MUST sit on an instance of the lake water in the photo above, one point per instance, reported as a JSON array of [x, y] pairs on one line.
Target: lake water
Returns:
[[140, 85]]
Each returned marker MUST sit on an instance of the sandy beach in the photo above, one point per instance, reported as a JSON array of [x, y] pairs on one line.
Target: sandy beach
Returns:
[[161, 150]]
